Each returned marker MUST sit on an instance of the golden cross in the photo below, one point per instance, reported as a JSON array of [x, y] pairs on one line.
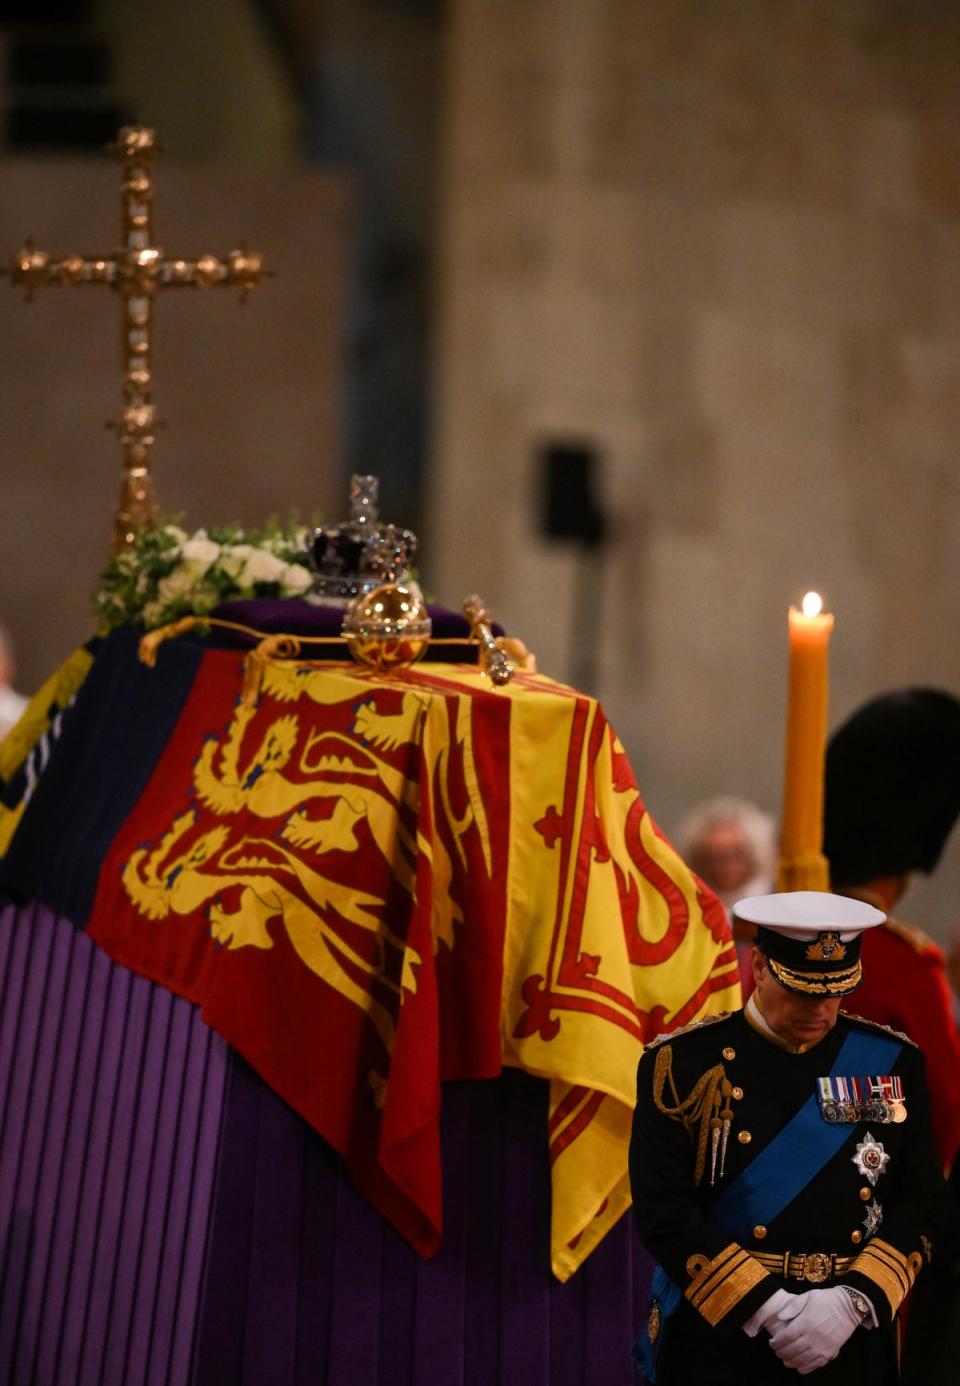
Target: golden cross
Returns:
[[136, 272]]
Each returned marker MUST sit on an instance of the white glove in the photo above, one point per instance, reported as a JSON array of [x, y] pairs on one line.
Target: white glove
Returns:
[[817, 1333], [779, 1308]]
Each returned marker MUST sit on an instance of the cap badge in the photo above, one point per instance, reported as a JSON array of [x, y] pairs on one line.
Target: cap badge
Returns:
[[871, 1159], [826, 948]]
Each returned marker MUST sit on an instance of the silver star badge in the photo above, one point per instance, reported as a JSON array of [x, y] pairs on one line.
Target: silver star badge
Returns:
[[871, 1159], [874, 1217]]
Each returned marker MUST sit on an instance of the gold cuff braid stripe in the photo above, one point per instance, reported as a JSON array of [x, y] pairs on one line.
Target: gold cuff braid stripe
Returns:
[[888, 1268], [701, 1282], [896, 1259], [724, 1282], [820, 983]]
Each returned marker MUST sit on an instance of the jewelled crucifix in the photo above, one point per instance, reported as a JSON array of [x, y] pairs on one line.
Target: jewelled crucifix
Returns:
[[137, 271]]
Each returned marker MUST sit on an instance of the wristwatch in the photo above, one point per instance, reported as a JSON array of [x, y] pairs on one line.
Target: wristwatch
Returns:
[[860, 1302]]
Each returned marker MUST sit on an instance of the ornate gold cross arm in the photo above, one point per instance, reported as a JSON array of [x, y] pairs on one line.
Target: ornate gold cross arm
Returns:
[[137, 271], [141, 271]]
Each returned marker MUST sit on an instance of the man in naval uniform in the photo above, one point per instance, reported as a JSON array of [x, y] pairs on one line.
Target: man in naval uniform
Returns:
[[783, 1168]]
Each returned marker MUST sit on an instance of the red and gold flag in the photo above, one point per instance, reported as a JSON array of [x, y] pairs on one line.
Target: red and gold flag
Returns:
[[371, 885], [610, 940], [307, 871]]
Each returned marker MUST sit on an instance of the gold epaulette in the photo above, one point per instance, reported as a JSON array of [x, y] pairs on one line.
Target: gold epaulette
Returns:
[[916, 938], [875, 1025], [687, 1029]]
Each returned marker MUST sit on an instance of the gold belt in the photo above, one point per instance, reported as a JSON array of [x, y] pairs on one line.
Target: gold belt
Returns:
[[815, 1266]]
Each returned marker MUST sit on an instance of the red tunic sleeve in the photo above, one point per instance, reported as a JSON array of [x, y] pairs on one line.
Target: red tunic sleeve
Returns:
[[905, 986]]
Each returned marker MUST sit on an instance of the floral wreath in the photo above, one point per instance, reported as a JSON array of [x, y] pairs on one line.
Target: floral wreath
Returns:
[[167, 573]]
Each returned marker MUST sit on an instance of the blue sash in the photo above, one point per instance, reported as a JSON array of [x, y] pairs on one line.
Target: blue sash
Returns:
[[798, 1153], [666, 1295]]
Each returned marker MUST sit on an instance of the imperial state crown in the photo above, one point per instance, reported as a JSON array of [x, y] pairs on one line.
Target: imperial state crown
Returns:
[[352, 558]]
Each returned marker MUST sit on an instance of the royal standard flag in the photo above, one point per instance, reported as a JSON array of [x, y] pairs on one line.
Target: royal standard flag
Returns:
[[373, 885], [610, 940]]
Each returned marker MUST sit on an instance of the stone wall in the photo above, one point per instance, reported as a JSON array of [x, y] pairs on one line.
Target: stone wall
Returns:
[[719, 242], [250, 394], [207, 76]]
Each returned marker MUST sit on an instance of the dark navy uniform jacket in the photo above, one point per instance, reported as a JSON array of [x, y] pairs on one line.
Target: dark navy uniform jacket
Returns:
[[858, 1201]]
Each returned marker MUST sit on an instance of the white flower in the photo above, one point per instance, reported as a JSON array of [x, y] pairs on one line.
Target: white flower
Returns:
[[203, 599], [296, 579], [262, 567], [203, 572], [177, 583], [201, 550], [233, 557]]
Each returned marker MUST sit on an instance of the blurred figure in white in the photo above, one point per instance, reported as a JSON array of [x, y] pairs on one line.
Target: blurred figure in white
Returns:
[[732, 845], [12, 703]]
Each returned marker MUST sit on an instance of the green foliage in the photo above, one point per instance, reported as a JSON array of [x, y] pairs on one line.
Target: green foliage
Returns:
[[168, 573]]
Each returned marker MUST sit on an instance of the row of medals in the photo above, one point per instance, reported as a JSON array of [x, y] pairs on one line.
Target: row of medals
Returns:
[[874, 1109]]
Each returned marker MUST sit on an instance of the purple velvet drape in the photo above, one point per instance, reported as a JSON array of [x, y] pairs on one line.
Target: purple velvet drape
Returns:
[[164, 1217]]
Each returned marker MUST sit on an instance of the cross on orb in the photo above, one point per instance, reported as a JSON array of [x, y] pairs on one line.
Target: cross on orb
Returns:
[[137, 271]]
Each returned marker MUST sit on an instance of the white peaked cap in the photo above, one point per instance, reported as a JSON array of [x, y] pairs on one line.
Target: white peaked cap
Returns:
[[803, 914]]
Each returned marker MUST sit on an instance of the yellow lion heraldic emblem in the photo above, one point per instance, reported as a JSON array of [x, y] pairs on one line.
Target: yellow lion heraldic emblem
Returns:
[[276, 875]]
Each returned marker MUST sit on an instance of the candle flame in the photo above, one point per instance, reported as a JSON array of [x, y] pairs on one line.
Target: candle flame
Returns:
[[812, 604]]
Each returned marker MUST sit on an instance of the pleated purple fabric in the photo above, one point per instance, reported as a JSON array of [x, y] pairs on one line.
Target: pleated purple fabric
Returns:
[[110, 1104], [307, 1286], [165, 1218]]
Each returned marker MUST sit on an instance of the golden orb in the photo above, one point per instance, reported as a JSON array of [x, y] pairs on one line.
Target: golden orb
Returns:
[[388, 627]]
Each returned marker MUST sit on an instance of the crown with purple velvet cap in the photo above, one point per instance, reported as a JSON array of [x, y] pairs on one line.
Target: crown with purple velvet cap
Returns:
[[810, 938]]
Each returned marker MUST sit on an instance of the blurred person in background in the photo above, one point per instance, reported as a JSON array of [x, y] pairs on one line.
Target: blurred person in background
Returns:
[[731, 844], [12, 703]]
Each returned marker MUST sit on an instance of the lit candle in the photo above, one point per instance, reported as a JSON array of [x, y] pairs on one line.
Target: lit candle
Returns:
[[802, 863]]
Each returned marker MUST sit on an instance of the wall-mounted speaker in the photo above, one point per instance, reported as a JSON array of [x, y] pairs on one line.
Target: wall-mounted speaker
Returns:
[[569, 505]]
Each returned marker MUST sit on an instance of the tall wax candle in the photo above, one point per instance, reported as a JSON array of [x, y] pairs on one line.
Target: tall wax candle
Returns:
[[802, 863]]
